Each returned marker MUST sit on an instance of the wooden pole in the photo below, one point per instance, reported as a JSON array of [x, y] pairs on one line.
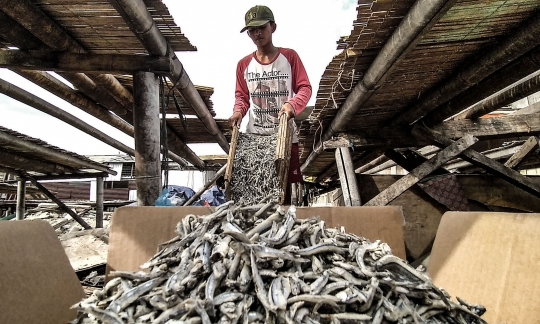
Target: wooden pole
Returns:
[[294, 194], [349, 185], [21, 193], [283, 154], [99, 202], [230, 162], [63, 206], [206, 186], [422, 171], [147, 148], [18, 161]]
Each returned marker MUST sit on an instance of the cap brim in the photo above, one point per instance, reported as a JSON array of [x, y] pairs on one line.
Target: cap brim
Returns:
[[255, 23]]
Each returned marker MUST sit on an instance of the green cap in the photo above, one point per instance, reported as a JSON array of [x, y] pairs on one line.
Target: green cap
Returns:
[[258, 16]]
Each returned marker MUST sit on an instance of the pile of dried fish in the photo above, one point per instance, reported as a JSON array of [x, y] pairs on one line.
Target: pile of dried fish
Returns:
[[254, 174], [260, 264]]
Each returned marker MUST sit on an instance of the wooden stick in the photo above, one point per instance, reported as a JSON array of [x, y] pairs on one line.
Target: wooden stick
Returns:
[[206, 186], [230, 162], [283, 154], [524, 151]]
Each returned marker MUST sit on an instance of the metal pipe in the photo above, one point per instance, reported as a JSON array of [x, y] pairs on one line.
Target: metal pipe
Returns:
[[419, 19], [513, 46], [99, 202], [146, 122], [518, 91], [21, 193], [34, 101], [140, 21], [7, 140], [511, 73]]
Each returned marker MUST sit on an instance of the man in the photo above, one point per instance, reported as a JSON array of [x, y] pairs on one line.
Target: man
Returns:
[[272, 81]]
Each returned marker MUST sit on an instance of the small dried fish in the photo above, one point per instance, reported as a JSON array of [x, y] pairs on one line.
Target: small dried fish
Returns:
[[238, 265]]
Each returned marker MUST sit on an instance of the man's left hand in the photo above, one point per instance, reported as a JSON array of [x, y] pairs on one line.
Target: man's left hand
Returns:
[[288, 109]]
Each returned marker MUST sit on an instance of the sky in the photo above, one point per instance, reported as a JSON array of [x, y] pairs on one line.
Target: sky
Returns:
[[310, 27]]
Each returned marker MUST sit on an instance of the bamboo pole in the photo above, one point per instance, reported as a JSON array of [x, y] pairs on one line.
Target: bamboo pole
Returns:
[[349, 185], [42, 105], [146, 122], [206, 186], [230, 163], [140, 21]]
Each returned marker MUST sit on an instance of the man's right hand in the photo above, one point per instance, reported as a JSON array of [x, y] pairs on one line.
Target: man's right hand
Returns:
[[235, 120]]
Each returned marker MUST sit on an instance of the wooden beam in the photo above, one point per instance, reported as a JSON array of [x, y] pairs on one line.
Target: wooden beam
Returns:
[[525, 151], [52, 197], [85, 63], [392, 137], [73, 176], [400, 137], [422, 171], [409, 159], [21, 193], [499, 153], [484, 162]]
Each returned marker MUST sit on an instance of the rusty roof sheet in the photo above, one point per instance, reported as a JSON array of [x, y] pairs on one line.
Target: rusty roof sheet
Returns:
[[468, 28], [11, 149]]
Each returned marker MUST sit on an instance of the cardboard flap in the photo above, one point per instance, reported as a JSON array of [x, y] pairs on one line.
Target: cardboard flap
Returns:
[[374, 223], [136, 232], [490, 259], [37, 283]]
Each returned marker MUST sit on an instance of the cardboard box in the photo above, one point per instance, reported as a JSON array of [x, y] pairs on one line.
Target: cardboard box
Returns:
[[37, 283], [136, 231], [491, 259]]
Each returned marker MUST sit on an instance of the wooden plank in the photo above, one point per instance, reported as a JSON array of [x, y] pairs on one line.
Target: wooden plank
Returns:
[[422, 171], [349, 185], [230, 162], [484, 162], [409, 159], [525, 151]]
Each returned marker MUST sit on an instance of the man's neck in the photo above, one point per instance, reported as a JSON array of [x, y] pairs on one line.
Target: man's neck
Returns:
[[267, 53]]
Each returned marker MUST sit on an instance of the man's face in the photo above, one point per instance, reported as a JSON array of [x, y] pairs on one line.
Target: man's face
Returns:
[[261, 35]]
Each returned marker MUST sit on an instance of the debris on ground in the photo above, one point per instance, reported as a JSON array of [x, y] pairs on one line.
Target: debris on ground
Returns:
[[260, 264]]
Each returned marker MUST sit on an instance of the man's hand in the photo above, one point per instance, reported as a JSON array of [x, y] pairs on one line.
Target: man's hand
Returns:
[[235, 120], [288, 109]]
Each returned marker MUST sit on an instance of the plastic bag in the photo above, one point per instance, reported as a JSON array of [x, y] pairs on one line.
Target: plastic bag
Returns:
[[172, 196]]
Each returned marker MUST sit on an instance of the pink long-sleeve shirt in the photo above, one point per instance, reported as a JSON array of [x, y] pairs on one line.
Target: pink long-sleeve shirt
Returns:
[[266, 87]]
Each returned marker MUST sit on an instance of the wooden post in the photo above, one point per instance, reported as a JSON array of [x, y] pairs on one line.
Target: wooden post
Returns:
[[422, 171], [147, 146], [21, 192], [347, 177], [99, 202], [283, 154], [206, 186], [294, 194], [230, 162]]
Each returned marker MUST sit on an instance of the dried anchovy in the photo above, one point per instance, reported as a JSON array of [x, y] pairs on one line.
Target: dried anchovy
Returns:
[[233, 267], [254, 174]]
